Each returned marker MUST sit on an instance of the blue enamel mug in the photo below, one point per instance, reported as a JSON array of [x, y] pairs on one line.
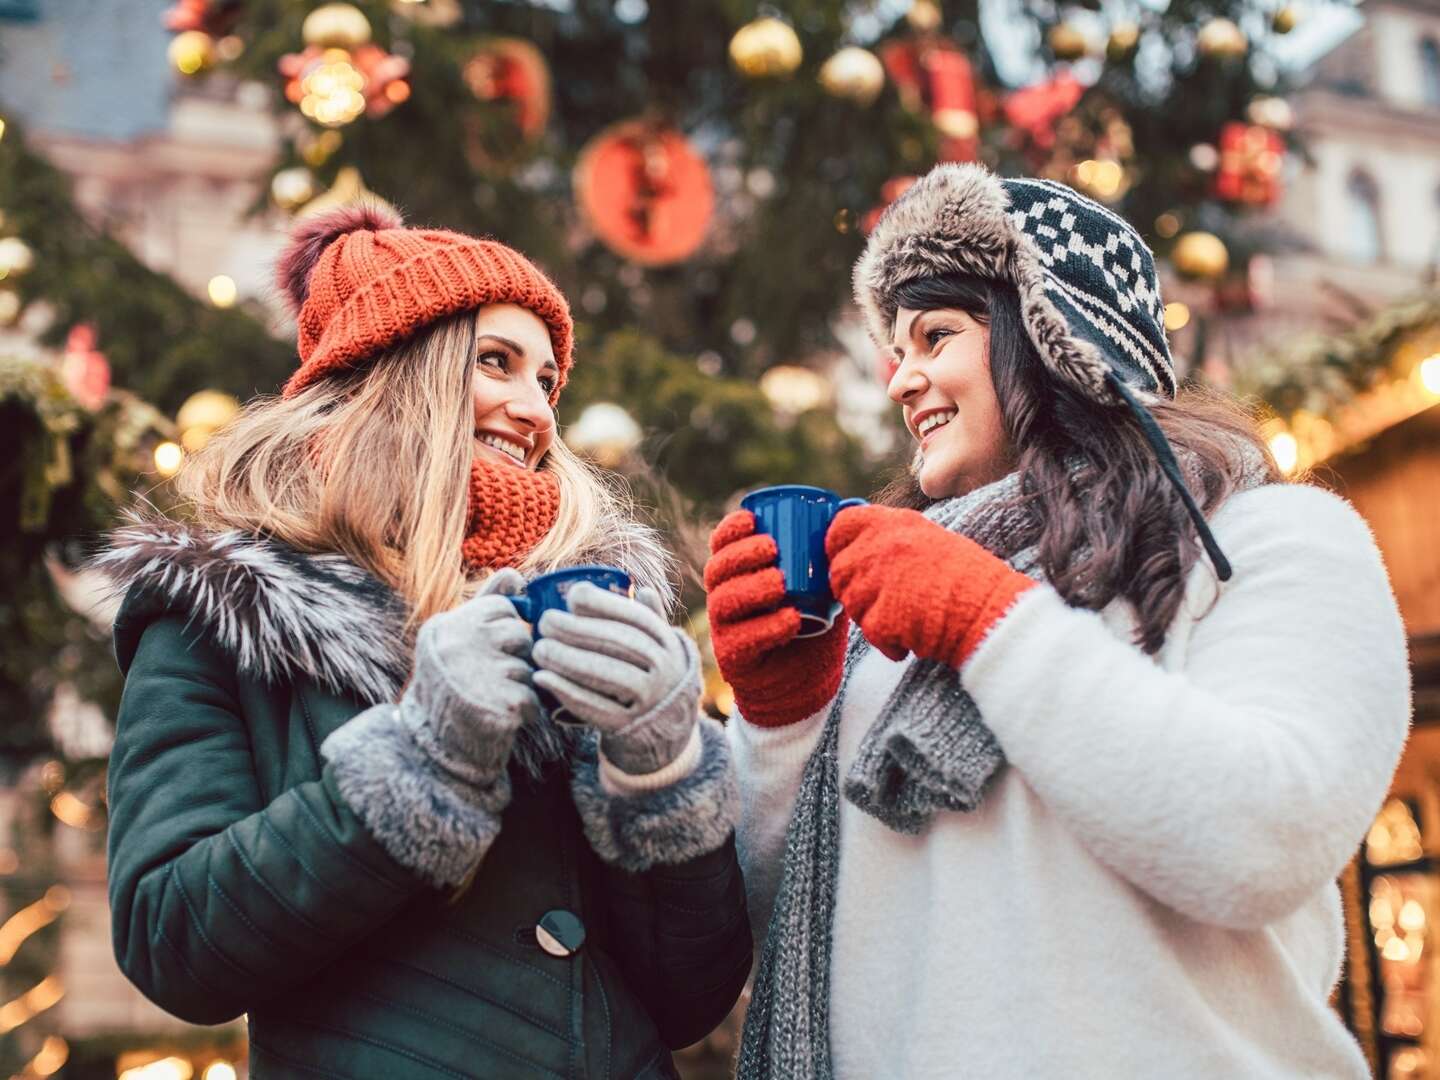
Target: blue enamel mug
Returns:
[[548, 591], [798, 516]]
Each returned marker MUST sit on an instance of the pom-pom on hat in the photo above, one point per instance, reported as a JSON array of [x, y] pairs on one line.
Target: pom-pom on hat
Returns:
[[358, 282]]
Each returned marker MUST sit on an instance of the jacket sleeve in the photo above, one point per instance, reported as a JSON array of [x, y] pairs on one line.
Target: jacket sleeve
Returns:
[[219, 900], [770, 765], [1237, 784], [673, 886]]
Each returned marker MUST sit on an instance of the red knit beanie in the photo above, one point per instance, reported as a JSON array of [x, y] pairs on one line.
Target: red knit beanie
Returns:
[[359, 282]]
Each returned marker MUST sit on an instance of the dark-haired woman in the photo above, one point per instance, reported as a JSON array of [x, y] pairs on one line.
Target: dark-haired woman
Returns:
[[1066, 791]]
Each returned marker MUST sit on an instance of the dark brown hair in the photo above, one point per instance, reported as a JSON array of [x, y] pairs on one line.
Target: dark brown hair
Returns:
[[1106, 521]]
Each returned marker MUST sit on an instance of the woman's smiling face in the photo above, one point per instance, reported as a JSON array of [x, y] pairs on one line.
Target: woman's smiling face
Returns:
[[942, 383], [515, 373]]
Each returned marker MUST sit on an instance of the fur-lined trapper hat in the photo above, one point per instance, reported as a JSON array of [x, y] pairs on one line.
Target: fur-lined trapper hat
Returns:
[[1088, 290], [1089, 294]]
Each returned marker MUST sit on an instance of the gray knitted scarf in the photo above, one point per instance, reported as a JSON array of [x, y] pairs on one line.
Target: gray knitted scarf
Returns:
[[928, 750]]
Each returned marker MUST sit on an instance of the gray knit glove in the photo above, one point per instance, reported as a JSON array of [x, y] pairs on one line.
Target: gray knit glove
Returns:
[[470, 691], [616, 665], [428, 776]]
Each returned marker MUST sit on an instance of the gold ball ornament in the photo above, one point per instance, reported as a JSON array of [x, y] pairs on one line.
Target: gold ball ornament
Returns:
[[292, 187], [203, 414], [1124, 37], [191, 52], [924, 16], [15, 257], [336, 26], [1068, 42], [1221, 39], [855, 74], [764, 48], [1286, 19], [1200, 255], [1271, 112]]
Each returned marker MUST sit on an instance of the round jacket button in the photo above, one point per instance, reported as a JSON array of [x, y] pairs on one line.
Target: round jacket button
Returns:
[[560, 933]]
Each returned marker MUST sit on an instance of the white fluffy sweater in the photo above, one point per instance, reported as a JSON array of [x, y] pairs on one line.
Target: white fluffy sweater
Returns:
[[1148, 888]]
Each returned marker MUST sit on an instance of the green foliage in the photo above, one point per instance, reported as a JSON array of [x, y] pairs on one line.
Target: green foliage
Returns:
[[64, 471], [718, 434], [1321, 373]]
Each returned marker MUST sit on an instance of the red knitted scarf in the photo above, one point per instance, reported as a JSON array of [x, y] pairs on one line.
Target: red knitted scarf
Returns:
[[511, 510]]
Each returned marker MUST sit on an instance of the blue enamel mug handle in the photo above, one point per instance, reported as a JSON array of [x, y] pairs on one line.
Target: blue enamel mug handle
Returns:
[[798, 517]]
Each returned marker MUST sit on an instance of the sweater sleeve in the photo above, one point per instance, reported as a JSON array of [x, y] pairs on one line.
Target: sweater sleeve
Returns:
[[1235, 786], [769, 763], [218, 898]]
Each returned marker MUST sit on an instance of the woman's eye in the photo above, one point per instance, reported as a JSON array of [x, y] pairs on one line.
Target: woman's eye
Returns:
[[547, 382], [932, 337], [493, 359]]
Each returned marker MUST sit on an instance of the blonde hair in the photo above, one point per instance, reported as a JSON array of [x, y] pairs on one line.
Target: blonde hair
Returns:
[[375, 465]]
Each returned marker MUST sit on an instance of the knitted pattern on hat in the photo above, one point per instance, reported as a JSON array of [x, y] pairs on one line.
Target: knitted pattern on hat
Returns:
[[511, 510], [1089, 293], [361, 283]]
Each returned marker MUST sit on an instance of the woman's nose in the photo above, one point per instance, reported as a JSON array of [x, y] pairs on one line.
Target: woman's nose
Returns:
[[907, 382], [531, 408]]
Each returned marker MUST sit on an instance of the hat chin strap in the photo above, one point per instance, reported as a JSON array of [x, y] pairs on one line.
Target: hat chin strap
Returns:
[[1171, 468]]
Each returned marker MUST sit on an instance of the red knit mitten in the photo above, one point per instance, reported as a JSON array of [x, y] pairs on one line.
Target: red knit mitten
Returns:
[[777, 678], [913, 586]]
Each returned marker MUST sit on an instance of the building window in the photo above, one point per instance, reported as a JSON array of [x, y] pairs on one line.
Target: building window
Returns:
[[1362, 226], [1430, 71]]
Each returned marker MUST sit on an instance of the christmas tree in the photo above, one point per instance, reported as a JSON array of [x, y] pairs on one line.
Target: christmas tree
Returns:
[[699, 177]]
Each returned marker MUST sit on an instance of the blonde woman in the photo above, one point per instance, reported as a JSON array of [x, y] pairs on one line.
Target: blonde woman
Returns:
[[337, 805]]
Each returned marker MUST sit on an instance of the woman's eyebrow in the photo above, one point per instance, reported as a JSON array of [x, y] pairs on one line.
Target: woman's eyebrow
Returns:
[[513, 346]]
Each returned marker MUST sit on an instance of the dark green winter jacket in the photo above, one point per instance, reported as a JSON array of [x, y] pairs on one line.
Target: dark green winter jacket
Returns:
[[241, 880]]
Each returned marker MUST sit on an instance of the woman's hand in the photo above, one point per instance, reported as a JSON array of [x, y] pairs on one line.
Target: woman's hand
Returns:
[[914, 587], [616, 664], [470, 690], [778, 678]]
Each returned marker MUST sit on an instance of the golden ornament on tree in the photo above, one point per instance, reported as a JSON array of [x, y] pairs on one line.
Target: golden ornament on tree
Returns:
[[348, 188], [1124, 37], [292, 187], [336, 26], [1221, 39], [1200, 255], [764, 48], [855, 74], [203, 414], [924, 16], [15, 257], [1286, 19], [1068, 42], [191, 52]]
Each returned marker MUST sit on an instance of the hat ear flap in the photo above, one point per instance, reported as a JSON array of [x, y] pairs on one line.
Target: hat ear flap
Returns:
[[312, 235]]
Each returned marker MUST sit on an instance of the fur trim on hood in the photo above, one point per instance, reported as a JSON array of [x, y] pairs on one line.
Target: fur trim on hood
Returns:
[[284, 615]]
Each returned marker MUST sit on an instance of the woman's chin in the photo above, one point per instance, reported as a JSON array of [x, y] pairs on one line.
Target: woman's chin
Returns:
[[936, 481]]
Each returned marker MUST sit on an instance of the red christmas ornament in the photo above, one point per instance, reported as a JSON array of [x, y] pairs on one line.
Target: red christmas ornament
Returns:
[[214, 17], [83, 368], [936, 76], [511, 72], [645, 191], [1251, 158], [1035, 110]]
